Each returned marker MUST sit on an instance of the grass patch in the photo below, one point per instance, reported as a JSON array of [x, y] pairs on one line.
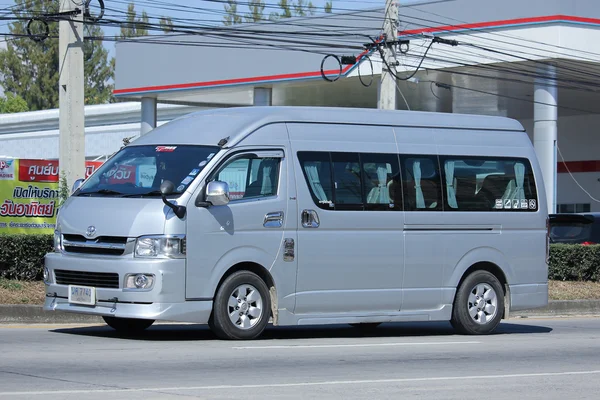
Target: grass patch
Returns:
[[18, 292], [560, 290]]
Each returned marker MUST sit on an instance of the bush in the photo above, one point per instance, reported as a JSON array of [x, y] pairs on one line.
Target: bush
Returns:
[[22, 256], [571, 262]]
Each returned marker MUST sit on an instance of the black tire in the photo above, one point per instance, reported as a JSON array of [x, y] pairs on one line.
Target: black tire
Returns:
[[461, 318], [128, 325], [222, 325]]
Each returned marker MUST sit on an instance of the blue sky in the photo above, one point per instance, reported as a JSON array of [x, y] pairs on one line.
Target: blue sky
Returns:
[[199, 11]]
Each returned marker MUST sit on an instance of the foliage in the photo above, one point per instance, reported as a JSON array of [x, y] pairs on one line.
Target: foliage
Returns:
[[31, 68], [134, 26], [256, 8], [12, 104], [22, 256], [571, 262]]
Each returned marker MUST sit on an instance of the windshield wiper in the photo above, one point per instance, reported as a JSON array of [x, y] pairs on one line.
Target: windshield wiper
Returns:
[[102, 191], [147, 194]]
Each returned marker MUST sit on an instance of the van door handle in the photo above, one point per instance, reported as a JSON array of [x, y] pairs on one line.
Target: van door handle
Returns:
[[273, 220], [310, 219]]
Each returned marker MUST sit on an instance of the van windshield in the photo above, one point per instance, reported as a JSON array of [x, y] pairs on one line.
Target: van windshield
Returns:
[[138, 171]]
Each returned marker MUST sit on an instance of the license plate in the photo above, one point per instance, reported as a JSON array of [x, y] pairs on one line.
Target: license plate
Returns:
[[82, 295]]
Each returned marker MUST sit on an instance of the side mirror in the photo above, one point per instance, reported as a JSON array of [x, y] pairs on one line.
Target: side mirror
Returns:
[[167, 188], [77, 185], [217, 193]]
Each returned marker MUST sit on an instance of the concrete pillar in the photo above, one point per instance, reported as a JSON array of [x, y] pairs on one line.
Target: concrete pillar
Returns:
[[148, 115], [545, 130], [263, 97]]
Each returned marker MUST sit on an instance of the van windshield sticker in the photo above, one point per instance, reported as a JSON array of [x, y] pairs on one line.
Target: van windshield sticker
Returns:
[[194, 172], [187, 180], [165, 149], [202, 163], [180, 188], [210, 156]]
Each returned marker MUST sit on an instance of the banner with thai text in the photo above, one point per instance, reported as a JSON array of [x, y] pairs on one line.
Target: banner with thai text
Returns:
[[29, 195]]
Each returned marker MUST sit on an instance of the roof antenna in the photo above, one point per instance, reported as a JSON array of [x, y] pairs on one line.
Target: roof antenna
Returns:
[[223, 142]]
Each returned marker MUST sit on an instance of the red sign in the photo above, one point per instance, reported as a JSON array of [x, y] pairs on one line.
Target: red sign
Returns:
[[122, 174], [38, 171], [47, 170]]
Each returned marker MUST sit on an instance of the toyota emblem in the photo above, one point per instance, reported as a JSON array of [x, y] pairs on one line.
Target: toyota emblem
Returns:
[[91, 230]]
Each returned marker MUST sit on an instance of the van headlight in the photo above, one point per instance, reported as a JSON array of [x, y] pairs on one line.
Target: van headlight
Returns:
[[170, 246], [57, 241]]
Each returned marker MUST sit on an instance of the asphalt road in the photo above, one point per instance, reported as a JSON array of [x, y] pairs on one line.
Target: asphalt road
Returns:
[[528, 358]]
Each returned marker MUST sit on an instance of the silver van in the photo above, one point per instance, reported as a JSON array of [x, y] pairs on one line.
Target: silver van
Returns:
[[291, 215]]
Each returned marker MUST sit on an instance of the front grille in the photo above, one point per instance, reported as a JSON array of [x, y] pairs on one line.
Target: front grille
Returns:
[[84, 278], [103, 245]]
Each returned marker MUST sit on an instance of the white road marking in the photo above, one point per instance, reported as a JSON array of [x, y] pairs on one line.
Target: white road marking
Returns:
[[333, 346], [302, 384]]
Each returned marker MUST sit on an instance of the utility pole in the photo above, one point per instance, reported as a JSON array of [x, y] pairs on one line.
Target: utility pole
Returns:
[[387, 90], [71, 91]]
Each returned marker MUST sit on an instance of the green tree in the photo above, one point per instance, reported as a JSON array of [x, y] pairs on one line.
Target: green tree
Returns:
[[328, 8], [256, 8], [231, 13], [134, 26], [166, 24], [12, 104], [30, 69]]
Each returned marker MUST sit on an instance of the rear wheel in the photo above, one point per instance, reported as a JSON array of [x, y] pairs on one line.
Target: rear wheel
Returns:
[[478, 305], [128, 325], [242, 307]]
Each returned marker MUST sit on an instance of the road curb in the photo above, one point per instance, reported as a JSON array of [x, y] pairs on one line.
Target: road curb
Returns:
[[27, 314], [560, 308]]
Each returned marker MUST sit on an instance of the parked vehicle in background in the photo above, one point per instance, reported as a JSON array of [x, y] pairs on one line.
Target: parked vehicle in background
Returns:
[[581, 229]]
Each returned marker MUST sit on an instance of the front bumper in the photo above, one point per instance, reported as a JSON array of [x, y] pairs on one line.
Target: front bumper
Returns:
[[165, 301]]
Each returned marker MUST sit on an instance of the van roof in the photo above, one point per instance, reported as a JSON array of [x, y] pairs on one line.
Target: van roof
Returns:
[[208, 127]]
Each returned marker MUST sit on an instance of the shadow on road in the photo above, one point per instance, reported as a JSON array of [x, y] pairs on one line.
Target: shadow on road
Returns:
[[187, 332]]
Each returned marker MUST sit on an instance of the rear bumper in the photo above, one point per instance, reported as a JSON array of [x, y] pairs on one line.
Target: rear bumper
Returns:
[[528, 297]]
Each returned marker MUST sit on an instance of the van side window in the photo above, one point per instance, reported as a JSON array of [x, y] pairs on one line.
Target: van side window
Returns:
[[353, 181], [488, 183], [383, 186], [316, 167], [421, 183], [249, 177], [347, 181]]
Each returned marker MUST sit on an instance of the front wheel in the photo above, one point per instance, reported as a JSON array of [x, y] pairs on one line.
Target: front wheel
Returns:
[[242, 307], [128, 325], [478, 305]]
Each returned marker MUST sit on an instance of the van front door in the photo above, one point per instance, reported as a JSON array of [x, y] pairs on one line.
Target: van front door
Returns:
[[252, 228]]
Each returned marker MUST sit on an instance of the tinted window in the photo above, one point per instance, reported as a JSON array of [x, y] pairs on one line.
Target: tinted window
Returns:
[[486, 184], [352, 181], [316, 167], [347, 184], [421, 183], [381, 177]]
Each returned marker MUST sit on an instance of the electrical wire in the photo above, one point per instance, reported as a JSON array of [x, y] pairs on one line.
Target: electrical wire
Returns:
[[573, 177]]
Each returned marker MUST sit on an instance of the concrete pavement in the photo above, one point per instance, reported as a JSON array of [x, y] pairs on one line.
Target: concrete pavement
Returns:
[[552, 358]]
